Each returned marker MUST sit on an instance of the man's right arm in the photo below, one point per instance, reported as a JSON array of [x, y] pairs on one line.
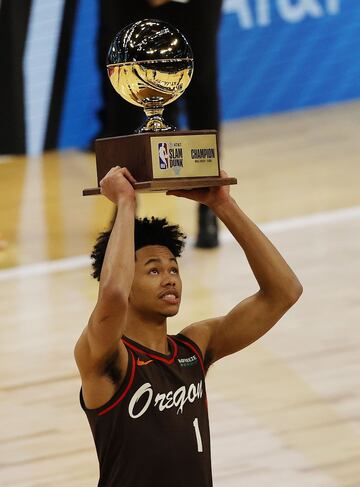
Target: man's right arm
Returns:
[[101, 339]]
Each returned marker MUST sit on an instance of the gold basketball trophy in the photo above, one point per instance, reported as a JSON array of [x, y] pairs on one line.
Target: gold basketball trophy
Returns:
[[150, 64]]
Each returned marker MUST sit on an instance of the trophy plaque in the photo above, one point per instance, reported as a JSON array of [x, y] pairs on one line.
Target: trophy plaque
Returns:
[[150, 64]]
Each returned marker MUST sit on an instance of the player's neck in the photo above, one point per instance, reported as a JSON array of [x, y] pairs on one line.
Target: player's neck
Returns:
[[150, 332]]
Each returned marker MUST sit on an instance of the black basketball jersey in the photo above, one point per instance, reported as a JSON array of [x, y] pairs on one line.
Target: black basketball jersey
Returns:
[[154, 432]]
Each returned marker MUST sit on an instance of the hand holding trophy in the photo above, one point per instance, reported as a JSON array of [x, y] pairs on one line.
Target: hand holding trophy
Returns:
[[150, 64]]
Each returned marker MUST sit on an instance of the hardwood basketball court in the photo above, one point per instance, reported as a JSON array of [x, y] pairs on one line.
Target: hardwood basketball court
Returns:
[[283, 412]]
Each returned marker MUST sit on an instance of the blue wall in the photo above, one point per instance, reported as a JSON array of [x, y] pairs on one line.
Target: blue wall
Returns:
[[274, 55], [287, 55]]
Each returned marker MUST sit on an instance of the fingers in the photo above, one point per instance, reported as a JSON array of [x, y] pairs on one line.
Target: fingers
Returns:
[[123, 170], [128, 175], [223, 173], [113, 170]]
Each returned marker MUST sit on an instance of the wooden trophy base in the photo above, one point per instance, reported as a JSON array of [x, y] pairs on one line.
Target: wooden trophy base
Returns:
[[161, 186], [162, 161]]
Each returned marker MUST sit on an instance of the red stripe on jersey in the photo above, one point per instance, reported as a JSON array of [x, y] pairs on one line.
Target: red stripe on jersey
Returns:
[[125, 391], [163, 359], [195, 351]]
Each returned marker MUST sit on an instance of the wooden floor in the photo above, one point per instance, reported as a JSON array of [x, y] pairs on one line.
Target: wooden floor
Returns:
[[285, 411]]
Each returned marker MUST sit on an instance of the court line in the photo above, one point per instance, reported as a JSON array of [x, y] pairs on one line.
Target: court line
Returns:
[[47, 267], [334, 216], [6, 159], [276, 226]]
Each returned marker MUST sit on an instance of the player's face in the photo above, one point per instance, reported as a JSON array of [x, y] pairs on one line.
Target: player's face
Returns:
[[157, 285]]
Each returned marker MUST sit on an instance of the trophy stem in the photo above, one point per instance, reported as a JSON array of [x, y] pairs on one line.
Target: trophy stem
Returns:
[[154, 121]]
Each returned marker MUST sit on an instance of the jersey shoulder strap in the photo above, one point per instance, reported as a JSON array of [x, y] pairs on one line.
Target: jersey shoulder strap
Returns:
[[191, 345]]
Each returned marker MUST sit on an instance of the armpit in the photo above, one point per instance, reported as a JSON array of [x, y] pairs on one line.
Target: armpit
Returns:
[[208, 360], [111, 368]]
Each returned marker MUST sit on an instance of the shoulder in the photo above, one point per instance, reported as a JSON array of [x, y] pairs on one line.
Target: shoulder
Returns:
[[200, 334]]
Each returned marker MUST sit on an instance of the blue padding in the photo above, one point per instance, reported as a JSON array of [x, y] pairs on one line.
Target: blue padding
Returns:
[[79, 123]]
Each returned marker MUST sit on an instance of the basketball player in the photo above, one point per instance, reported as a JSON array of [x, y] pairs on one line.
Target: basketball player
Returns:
[[143, 391]]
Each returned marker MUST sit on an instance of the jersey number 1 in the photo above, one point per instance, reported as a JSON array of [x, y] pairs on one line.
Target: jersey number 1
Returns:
[[198, 435]]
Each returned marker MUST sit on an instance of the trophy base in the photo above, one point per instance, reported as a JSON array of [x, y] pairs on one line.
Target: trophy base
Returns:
[[172, 184], [162, 161]]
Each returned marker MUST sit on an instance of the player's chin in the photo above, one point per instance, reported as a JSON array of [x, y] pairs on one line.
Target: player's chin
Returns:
[[171, 313], [170, 310]]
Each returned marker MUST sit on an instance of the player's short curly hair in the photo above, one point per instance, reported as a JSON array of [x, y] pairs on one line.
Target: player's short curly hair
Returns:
[[148, 231]]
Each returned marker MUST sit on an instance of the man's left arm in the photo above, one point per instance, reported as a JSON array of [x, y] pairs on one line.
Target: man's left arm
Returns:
[[255, 315]]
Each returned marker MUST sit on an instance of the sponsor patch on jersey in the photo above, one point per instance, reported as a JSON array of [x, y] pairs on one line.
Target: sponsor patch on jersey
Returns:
[[188, 362]]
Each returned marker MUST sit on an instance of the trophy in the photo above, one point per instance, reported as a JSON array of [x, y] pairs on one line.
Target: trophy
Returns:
[[150, 64]]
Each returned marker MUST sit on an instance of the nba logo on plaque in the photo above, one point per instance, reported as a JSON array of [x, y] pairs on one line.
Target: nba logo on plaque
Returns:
[[163, 155]]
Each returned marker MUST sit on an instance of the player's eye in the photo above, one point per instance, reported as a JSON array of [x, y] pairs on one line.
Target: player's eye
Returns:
[[174, 270], [154, 271]]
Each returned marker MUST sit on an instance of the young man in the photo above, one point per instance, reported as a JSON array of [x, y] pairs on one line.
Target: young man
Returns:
[[142, 390]]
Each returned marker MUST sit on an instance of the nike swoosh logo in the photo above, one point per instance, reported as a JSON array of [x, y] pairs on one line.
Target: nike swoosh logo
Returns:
[[141, 362]]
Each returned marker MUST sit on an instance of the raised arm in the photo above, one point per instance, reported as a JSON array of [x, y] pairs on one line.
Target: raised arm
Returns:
[[100, 340], [279, 288]]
